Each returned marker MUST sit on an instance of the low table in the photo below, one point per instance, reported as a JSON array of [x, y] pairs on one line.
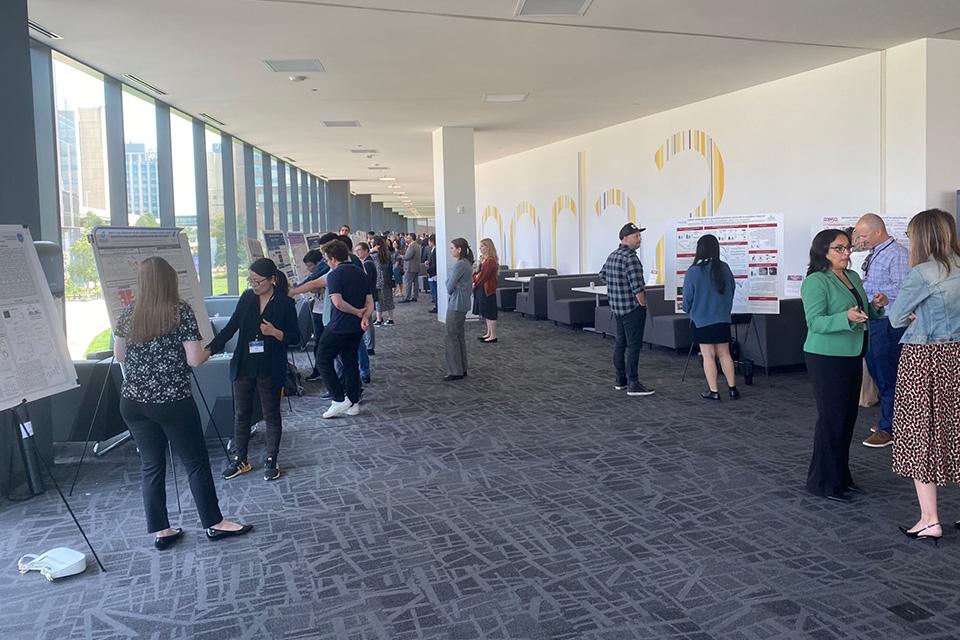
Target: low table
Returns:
[[597, 290], [521, 279]]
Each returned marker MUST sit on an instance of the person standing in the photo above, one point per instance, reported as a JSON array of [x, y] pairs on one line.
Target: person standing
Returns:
[[884, 269], [837, 309], [459, 282], [431, 265], [352, 305], [411, 268], [157, 340], [344, 230], [318, 268], [266, 318], [708, 289], [368, 344], [926, 415], [626, 291], [485, 289], [381, 258]]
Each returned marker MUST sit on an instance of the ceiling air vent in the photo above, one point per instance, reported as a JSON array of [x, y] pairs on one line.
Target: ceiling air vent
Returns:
[[364, 151], [144, 84], [294, 66], [340, 123], [551, 8], [207, 116], [46, 33]]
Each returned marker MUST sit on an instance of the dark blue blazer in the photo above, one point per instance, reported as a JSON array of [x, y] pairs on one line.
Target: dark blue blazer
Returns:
[[281, 312]]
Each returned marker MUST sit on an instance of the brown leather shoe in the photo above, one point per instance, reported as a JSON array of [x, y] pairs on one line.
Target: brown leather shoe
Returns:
[[879, 440]]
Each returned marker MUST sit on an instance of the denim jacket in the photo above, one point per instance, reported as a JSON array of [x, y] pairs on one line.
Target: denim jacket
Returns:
[[934, 296]]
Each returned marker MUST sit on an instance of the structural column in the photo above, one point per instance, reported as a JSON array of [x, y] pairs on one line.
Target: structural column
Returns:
[[338, 204], [454, 194], [360, 219], [376, 216]]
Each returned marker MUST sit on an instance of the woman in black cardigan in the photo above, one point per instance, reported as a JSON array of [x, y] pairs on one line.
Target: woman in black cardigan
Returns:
[[267, 320]]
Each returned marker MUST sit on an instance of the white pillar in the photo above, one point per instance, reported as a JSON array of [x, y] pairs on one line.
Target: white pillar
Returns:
[[455, 199]]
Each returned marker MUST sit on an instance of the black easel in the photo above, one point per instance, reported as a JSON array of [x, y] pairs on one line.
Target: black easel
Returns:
[[210, 414], [28, 449], [742, 364], [93, 421]]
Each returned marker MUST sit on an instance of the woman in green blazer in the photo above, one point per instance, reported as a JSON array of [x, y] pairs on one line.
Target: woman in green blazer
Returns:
[[836, 310]]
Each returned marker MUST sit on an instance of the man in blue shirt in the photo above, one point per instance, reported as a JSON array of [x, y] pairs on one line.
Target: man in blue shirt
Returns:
[[627, 294], [315, 283], [884, 269], [352, 305]]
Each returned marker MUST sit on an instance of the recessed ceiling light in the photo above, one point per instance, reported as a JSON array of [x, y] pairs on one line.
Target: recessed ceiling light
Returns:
[[340, 123], [554, 8], [386, 179], [378, 167], [363, 151], [394, 186], [294, 66], [505, 97], [400, 193], [46, 33], [144, 84], [209, 117], [297, 78]]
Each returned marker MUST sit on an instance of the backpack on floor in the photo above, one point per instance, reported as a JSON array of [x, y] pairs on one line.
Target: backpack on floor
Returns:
[[293, 383]]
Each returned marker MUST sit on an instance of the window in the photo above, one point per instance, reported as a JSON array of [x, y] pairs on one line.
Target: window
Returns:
[[258, 189], [140, 150], [275, 205], [184, 178], [293, 197], [218, 235], [84, 198], [240, 189]]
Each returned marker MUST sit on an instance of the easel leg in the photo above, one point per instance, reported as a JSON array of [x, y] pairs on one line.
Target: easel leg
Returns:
[[93, 420], [210, 414], [687, 363], [176, 483], [756, 334]]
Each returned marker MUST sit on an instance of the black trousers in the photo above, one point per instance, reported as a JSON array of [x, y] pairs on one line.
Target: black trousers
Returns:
[[152, 427], [344, 345], [244, 388], [629, 341], [317, 332], [836, 385]]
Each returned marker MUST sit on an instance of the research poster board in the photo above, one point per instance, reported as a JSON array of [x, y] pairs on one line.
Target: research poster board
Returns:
[[298, 249], [896, 227], [118, 252], [313, 241], [751, 244], [34, 359], [279, 251], [254, 249]]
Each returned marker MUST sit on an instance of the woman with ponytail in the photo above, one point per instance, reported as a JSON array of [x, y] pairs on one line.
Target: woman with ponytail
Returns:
[[266, 318], [459, 283]]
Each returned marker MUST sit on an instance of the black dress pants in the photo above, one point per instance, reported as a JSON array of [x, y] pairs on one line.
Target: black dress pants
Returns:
[[629, 341], [244, 388], [345, 346], [836, 385], [152, 427]]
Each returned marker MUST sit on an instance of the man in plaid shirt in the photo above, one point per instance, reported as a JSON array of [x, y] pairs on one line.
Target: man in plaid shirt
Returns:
[[884, 269], [623, 274]]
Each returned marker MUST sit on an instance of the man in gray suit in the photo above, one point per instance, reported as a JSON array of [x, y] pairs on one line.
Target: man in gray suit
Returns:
[[411, 269]]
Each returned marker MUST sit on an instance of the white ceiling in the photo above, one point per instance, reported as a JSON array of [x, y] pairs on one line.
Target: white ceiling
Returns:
[[405, 67]]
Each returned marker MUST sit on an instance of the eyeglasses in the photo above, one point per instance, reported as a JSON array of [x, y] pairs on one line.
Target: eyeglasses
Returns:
[[841, 248], [256, 282]]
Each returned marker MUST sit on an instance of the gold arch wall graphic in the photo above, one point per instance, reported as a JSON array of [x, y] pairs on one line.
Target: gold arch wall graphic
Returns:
[[700, 142], [616, 197], [491, 211], [524, 208], [561, 204]]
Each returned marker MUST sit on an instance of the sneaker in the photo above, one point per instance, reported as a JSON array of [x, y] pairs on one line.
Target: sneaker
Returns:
[[365, 379], [388, 323], [620, 385], [270, 469], [337, 408], [879, 440], [637, 389], [377, 323], [237, 467], [354, 410], [314, 377]]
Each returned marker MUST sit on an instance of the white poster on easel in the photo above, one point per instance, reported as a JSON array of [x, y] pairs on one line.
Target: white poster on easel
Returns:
[[298, 249], [752, 245], [34, 359], [118, 252], [254, 249], [896, 227], [279, 251]]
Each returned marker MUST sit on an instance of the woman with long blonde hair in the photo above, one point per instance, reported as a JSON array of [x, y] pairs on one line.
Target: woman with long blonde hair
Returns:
[[158, 341], [926, 413], [485, 289]]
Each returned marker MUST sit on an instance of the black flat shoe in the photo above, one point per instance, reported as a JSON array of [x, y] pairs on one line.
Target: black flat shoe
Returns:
[[916, 535], [711, 395], [482, 338], [734, 394], [217, 534], [488, 341], [167, 541], [449, 378]]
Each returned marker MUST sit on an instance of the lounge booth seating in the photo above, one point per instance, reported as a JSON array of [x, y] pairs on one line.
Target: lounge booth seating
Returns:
[[219, 306], [665, 327], [507, 291], [574, 308], [532, 301], [776, 340], [604, 321]]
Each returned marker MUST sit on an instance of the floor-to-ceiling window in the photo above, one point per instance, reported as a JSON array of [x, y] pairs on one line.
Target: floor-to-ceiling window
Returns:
[[275, 182], [140, 156], [84, 198], [258, 189], [184, 178], [218, 235], [240, 189]]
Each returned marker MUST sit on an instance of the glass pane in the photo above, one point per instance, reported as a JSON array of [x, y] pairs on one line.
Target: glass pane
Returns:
[[84, 200], [140, 147], [276, 192], [184, 179], [240, 190], [258, 189], [218, 235]]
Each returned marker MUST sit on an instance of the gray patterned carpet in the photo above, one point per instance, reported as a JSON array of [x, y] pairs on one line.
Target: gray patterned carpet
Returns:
[[531, 501]]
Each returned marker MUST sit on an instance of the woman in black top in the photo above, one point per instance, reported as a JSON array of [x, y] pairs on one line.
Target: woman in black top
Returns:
[[266, 318], [158, 340]]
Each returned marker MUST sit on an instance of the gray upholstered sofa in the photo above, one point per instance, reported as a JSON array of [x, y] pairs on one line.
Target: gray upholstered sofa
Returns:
[[575, 308], [604, 321], [665, 327], [507, 291], [220, 306], [781, 337], [533, 300]]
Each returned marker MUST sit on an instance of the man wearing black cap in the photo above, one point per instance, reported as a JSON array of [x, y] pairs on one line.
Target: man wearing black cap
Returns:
[[623, 274]]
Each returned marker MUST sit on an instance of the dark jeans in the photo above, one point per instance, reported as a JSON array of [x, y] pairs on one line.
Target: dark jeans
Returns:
[[317, 332], [433, 291], [345, 346], [629, 341], [836, 386], [152, 427], [882, 360], [244, 388]]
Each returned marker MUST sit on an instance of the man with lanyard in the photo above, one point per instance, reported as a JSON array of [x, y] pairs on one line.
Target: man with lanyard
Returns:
[[884, 269], [626, 291]]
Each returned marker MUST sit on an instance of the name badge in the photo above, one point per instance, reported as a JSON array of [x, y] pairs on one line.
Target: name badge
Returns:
[[256, 346]]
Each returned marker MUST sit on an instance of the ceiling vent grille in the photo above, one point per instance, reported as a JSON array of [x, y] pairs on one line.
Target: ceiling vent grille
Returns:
[[140, 82], [551, 8], [46, 33], [207, 116], [340, 123], [364, 151], [294, 66]]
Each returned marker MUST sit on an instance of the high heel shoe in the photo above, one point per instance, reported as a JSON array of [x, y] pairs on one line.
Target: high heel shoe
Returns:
[[915, 535]]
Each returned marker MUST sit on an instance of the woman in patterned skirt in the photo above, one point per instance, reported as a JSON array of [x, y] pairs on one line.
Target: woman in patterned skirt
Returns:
[[926, 414]]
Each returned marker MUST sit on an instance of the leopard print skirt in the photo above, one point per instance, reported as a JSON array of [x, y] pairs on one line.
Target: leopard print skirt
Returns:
[[926, 414]]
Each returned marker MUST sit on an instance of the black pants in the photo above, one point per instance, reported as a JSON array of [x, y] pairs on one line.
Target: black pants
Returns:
[[317, 332], [629, 341], [244, 388], [836, 385], [152, 427], [344, 345]]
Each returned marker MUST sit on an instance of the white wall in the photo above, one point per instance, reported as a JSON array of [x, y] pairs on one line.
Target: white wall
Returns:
[[942, 124], [804, 146]]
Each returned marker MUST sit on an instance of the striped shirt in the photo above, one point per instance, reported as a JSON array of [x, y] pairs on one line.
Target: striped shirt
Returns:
[[623, 274]]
